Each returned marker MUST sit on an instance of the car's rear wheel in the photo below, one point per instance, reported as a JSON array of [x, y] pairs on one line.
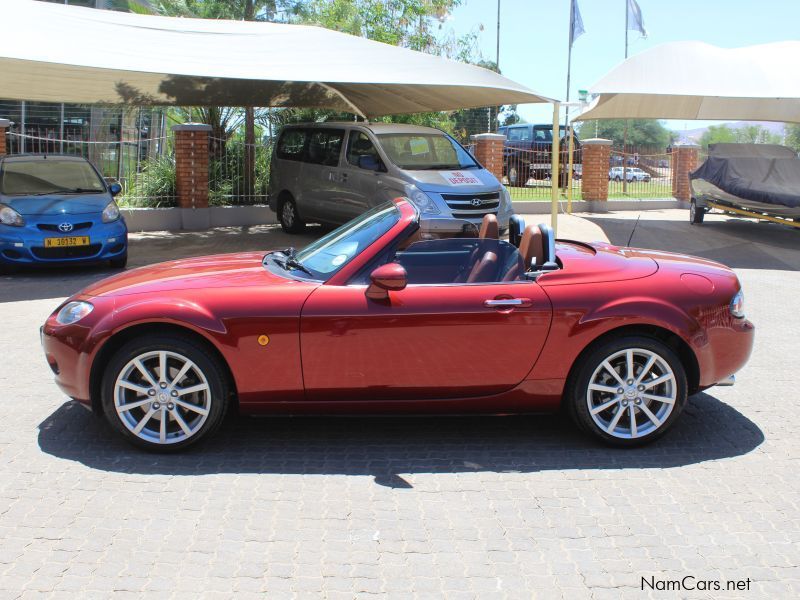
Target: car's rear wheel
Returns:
[[696, 214], [164, 393], [289, 217], [627, 391]]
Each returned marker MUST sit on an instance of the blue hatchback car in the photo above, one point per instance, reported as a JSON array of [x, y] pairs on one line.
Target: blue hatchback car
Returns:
[[57, 209]]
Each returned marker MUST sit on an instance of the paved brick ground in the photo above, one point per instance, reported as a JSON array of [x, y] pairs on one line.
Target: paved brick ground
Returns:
[[512, 507]]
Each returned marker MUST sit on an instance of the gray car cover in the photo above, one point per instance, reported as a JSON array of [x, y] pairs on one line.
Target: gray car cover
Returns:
[[758, 172]]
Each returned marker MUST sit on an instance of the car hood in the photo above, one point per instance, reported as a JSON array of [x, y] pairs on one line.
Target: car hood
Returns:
[[57, 204], [439, 181], [223, 270]]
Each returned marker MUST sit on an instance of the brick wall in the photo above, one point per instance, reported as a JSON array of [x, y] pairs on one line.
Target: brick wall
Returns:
[[488, 150], [684, 161], [596, 160], [191, 164], [5, 125]]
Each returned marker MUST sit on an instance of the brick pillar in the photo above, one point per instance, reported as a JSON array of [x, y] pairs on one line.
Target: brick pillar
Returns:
[[489, 152], [596, 160], [684, 161], [191, 164], [5, 125]]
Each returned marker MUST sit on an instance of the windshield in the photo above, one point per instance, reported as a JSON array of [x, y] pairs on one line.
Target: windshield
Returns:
[[49, 176], [417, 151], [333, 251]]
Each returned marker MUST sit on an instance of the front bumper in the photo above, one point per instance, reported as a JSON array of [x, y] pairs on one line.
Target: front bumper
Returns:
[[25, 245]]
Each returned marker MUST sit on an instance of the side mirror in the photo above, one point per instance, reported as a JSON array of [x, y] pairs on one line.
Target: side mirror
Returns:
[[369, 162], [390, 277], [115, 189]]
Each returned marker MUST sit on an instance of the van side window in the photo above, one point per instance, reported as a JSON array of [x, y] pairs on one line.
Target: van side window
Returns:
[[360, 145], [291, 144], [324, 147]]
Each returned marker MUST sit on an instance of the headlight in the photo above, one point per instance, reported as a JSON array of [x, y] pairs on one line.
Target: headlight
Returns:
[[110, 212], [422, 201], [505, 198], [72, 312], [737, 305], [8, 216]]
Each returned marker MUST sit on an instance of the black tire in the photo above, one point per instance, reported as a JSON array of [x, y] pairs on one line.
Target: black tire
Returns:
[[289, 217], [617, 179], [119, 262], [577, 390], [696, 214], [517, 176], [208, 364]]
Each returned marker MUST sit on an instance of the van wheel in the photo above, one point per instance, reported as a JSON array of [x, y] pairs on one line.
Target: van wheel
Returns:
[[289, 218]]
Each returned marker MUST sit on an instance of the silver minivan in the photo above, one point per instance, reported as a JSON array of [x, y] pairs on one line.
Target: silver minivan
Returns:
[[331, 172]]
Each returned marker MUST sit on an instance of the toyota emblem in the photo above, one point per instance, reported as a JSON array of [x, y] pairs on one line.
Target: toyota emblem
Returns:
[[477, 202], [65, 227]]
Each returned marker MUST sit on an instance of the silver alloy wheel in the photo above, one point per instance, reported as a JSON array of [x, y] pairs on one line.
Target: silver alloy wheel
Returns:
[[162, 397], [631, 393], [287, 212]]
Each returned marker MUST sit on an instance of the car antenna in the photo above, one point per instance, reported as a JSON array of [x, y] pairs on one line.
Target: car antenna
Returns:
[[639, 216]]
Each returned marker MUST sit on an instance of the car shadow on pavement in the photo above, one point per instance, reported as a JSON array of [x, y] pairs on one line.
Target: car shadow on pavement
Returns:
[[386, 448]]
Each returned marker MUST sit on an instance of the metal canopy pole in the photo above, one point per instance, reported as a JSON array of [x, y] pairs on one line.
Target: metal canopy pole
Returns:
[[554, 166]]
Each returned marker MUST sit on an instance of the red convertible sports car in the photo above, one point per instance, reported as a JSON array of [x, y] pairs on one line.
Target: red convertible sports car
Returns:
[[390, 314]]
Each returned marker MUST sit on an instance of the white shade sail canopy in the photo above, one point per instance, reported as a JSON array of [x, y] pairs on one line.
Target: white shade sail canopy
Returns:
[[56, 53], [694, 80]]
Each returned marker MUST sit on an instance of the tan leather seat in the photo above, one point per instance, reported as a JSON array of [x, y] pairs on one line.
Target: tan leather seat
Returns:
[[484, 269], [490, 229], [532, 247]]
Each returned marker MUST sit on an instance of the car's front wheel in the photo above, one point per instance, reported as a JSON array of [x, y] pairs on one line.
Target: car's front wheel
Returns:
[[120, 262], [627, 391], [164, 393]]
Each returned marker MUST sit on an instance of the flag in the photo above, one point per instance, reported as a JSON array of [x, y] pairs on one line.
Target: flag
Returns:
[[635, 20], [575, 23]]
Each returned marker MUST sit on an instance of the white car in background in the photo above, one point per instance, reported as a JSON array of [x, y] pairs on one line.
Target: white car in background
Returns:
[[629, 173]]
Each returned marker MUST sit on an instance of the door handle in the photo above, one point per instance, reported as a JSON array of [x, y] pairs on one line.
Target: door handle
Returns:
[[507, 302]]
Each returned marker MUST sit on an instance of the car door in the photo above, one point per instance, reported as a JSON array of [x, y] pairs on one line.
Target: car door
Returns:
[[358, 189], [428, 341], [321, 174]]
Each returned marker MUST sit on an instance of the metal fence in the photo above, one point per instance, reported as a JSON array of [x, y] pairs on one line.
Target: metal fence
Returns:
[[643, 174], [238, 173]]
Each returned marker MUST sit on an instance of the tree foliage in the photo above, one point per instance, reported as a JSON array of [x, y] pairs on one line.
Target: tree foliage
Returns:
[[793, 136], [746, 134], [642, 133]]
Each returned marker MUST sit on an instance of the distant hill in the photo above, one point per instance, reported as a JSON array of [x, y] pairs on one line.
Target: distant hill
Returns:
[[694, 135]]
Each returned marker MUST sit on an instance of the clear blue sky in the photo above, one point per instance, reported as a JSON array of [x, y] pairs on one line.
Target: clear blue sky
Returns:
[[534, 36]]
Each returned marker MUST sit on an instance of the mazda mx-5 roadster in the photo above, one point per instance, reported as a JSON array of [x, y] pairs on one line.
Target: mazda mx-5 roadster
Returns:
[[391, 314]]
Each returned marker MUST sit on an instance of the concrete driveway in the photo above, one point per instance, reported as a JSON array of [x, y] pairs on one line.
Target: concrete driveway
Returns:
[[507, 507]]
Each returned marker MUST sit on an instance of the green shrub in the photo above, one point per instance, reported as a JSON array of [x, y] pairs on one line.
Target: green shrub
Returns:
[[154, 186]]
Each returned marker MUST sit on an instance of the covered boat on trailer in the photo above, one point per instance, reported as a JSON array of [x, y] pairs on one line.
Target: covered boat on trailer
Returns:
[[754, 180]]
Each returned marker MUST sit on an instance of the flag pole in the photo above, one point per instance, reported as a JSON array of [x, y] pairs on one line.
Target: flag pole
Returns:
[[567, 128], [625, 129]]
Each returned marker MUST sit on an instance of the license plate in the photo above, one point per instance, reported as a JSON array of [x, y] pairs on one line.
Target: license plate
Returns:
[[64, 242]]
